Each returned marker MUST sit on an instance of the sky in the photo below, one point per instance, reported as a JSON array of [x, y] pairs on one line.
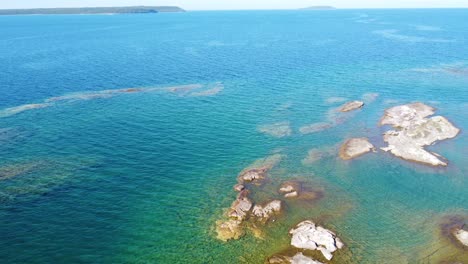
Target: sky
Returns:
[[237, 4]]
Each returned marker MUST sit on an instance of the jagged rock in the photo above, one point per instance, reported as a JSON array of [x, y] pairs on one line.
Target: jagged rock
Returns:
[[239, 187], [266, 211], [307, 235], [253, 175], [240, 207], [350, 106], [414, 131], [355, 147], [230, 229], [462, 236]]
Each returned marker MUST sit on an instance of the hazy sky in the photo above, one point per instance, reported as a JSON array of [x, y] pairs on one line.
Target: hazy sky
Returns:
[[238, 4]]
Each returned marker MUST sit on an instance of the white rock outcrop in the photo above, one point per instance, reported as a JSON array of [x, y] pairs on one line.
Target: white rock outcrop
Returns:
[[462, 236], [307, 235], [414, 130]]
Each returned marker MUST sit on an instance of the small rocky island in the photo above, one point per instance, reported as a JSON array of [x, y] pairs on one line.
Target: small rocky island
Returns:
[[414, 130], [92, 10]]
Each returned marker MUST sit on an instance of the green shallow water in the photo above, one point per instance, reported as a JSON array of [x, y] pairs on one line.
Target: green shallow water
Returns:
[[143, 177]]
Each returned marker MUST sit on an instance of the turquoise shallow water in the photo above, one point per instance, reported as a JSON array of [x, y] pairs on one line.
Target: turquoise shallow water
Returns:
[[142, 177]]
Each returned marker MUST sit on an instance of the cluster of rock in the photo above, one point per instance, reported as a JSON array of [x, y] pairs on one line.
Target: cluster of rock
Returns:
[[243, 208], [355, 147], [414, 130]]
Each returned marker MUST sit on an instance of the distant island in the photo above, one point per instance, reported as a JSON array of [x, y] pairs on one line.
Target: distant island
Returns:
[[92, 10], [318, 8]]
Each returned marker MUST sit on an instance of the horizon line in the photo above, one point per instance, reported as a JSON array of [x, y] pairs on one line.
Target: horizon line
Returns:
[[246, 9]]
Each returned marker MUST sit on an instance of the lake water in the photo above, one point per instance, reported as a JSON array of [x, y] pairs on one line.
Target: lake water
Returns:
[[91, 173]]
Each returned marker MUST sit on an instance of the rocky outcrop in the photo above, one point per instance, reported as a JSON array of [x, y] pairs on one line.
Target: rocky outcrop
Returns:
[[263, 213], [461, 235], [243, 209], [350, 106], [256, 174], [241, 206], [355, 147], [414, 130], [307, 235]]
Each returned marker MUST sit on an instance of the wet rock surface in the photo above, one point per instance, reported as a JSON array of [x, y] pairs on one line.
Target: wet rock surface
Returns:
[[414, 130], [298, 258], [355, 147], [264, 212]]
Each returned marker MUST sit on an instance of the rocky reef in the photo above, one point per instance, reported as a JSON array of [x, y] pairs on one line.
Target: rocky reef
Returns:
[[461, 235], [414, 130], [307, 235], [350, 106], [244, 213], [355, 147], [314, 128], [279, 130]]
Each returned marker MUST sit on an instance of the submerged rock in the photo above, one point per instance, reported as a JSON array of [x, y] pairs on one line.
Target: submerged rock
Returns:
[[230, 229], [22, 108], [355, 147], [266, 211], [350, 106], [299, 258], [414, 131], [307, 235], [314, 128], [279, 130], [290, 189]]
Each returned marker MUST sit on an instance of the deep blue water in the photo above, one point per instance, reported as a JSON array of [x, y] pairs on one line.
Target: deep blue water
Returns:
[[142, 177]]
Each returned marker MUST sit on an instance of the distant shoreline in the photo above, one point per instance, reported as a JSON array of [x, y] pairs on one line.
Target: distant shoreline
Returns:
[[93, 10]]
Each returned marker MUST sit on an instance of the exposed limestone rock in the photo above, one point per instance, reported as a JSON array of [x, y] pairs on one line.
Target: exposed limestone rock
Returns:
[[307, 235], [350, 106], [414, 131], [355, 147], [265, 212], [462, 236]]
